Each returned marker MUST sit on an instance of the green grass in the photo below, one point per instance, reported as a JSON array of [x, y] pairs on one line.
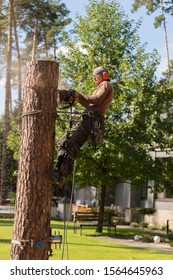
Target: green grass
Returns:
[[85, 247]]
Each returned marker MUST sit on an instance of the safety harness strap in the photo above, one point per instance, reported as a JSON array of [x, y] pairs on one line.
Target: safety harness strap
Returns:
[[31, 243]]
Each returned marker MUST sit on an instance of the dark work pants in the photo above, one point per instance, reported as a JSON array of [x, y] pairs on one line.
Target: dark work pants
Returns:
[[70, 144]]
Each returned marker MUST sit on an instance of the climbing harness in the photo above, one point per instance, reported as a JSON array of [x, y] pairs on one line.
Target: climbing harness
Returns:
[[97, 132]]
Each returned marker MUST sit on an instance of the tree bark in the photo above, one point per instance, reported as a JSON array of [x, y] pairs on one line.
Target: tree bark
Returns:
[[101, 207], [166, 38], [19, 66], [33, 198], [45, 43], [34, 45]]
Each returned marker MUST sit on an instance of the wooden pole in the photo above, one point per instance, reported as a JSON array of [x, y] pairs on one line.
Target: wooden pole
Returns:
[[31, 231]]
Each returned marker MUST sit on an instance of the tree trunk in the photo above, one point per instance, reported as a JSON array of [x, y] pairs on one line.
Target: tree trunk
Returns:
[[4, 162], [166, 38], [101, 208], [54, 47], [45, 43], [34, 45], [33, 198], [18, 67]]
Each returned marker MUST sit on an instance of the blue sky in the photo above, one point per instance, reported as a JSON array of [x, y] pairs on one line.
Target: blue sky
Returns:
[[153, 37]]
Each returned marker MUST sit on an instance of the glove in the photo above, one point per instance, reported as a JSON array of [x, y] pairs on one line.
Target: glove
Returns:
[[73, 95]]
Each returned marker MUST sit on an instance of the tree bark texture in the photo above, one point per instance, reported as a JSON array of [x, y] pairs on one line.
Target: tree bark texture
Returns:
[[166, 38], [101, 207], [19, 67], [33, 198], [34, 45]]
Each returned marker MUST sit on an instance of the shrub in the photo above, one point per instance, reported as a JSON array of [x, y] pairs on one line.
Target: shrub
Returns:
[[143, 224], [134, 224], [152, 226], [147, 238]]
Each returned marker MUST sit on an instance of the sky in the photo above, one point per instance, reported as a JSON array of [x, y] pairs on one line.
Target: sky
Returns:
[[153, 37]]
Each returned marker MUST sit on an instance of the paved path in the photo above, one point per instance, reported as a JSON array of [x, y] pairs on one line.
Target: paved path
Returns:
[[164, 247]]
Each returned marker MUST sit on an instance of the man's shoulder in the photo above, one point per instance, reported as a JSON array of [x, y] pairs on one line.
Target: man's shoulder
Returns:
[[106, 84]]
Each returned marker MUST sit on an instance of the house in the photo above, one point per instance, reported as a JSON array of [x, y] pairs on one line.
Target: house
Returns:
[[145, 197], [127, 198]]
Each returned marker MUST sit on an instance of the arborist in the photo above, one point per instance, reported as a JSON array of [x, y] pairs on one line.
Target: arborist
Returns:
[[91, 124]]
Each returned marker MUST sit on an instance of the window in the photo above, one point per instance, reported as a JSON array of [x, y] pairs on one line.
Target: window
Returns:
[[144, 191]]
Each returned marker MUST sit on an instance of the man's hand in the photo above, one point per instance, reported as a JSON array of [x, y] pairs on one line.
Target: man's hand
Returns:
[[68, 96]]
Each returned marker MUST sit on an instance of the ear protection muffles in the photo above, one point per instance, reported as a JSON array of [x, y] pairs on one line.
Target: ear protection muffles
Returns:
[[105, 75]]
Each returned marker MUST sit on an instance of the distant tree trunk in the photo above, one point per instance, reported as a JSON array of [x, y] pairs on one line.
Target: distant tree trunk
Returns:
[[18, 68], [101, 207], [54, 47], [33, 197], [45, 43], [34, 45], [166, 38], [4, 162]]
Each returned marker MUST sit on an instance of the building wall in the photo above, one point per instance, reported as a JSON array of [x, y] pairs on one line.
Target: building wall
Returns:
[[164, 213], [84, 196], [149, 202], [123, 194]]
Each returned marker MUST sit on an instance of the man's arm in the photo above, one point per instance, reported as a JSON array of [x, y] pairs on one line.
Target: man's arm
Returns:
[[98, 96]]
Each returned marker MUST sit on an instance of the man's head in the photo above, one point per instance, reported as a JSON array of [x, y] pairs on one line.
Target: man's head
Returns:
[[100, 74]]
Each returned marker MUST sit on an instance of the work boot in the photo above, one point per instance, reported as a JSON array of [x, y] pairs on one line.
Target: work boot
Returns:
[[56, 178]]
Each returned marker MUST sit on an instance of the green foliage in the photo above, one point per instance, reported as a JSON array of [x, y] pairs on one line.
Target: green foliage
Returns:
[[13, 143], [12, 198], [14, 139], [135, 123], [143, 224], [51, 16], [134, 126], [145, 211], [104, 36], [134, 224], [150, 5]]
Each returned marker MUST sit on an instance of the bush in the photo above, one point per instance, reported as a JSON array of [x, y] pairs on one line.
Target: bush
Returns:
[[147, 239], [134, 224], [152, 227], [143, 224]]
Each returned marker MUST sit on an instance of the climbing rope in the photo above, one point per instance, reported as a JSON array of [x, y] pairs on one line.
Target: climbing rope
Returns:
[[34, 112], [66, 223]]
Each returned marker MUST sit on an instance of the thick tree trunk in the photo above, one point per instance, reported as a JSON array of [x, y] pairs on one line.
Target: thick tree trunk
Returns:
[[101, 207], [33, 198]]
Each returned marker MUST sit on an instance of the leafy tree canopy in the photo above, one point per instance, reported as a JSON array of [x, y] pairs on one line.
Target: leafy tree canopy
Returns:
[[105, 36]]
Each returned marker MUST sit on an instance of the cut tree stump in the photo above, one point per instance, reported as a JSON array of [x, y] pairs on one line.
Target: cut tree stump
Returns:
[[31, 231]]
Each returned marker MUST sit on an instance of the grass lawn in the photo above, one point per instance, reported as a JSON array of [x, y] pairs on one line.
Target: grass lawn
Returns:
[[85, 247]]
